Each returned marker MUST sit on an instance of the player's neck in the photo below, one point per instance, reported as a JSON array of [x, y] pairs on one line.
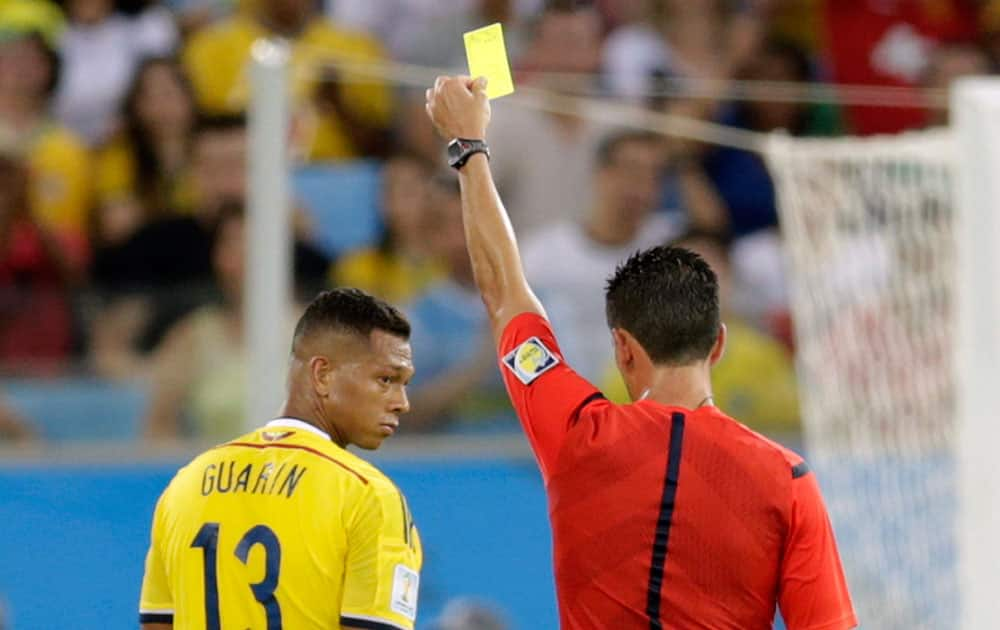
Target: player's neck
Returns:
[[688, 386], [306, 414]]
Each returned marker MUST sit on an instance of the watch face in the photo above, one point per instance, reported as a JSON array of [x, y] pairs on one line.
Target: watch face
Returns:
[[458, 147]]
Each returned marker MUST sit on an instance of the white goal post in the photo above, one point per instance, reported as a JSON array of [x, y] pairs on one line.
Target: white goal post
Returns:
[[975, 111], [894, 261], [267, 288]]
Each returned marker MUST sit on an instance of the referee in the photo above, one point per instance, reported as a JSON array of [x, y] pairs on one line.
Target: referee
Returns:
[[665, 512]]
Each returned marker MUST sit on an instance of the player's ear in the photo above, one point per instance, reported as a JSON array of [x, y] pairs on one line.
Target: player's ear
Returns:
[[719, 349], [320, 372]]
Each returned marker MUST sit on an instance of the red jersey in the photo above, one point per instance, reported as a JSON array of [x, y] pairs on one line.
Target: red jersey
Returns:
[[664, 517]]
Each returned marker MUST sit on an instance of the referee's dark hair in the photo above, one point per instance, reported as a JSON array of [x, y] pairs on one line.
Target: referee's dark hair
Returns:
[[350, 310], [668, 299]]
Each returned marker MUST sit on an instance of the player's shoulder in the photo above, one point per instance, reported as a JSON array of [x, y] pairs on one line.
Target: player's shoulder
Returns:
[[340, 463], [380, 501], [372, 474], [343, 463], [194, 468], [183, 481]]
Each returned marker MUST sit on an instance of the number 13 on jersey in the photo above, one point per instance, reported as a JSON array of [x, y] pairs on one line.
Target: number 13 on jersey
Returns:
[[208, 540]]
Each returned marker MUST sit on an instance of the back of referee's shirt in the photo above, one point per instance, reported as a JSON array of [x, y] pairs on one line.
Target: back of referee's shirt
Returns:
[[665, 517]]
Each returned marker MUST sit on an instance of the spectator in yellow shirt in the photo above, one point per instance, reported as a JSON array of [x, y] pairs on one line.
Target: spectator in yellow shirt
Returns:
[[399, 267], [148, 165], [334, 120], [59, 186], [755, 380]]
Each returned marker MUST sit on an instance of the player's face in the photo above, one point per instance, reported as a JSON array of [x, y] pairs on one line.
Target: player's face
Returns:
[[368, 392]]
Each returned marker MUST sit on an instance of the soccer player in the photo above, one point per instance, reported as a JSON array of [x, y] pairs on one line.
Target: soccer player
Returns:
[[665, 512], [282, 527]]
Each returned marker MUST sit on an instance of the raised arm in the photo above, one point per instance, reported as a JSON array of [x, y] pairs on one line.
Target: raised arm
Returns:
[[459, 109]]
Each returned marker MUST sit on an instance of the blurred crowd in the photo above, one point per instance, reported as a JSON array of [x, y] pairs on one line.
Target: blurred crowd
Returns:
[[123, 149]]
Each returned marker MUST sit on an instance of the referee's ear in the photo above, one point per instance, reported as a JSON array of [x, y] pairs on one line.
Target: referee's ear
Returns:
[[719, 348], [624, 354], [633, 362]]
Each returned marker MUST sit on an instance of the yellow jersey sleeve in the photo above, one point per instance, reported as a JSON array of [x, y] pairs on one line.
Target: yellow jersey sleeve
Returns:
[[156, 603], [382, 576]]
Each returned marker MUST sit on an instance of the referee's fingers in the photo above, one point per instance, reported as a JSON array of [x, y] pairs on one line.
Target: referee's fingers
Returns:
[[439, 82], [479, 86], [428, 93]]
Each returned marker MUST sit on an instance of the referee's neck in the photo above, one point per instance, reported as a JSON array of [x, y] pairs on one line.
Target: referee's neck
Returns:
[[684, 386]]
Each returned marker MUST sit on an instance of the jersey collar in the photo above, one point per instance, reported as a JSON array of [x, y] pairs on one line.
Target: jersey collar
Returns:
[[292, 423]]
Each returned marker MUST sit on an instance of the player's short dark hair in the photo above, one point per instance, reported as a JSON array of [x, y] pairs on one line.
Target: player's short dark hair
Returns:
[[668, 299], [608, 148], [350, 310]]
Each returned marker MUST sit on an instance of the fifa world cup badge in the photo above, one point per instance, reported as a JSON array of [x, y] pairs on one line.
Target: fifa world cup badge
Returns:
[[530, 360], [405, 587]]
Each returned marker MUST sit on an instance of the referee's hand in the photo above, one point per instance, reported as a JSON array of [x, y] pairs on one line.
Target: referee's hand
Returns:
[[459, 108]]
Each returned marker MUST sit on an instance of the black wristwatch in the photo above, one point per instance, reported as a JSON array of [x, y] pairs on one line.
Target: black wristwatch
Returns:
[[461, 149]]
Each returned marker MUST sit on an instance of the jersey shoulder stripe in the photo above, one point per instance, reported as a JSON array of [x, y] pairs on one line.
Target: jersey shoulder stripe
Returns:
[[301, 447]]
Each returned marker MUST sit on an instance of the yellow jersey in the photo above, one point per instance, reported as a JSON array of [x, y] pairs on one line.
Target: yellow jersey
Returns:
[[281, 528]]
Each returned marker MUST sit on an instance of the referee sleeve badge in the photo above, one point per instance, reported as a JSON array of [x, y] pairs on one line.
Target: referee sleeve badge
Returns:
[[530, 360]]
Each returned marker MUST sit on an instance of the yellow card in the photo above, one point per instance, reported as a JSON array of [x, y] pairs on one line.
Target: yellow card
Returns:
[[487, 56]]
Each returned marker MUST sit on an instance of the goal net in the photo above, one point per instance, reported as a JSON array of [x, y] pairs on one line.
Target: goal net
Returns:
[[870, 232]]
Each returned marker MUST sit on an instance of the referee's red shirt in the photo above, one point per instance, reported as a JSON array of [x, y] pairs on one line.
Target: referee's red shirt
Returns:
[[664, 517]]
